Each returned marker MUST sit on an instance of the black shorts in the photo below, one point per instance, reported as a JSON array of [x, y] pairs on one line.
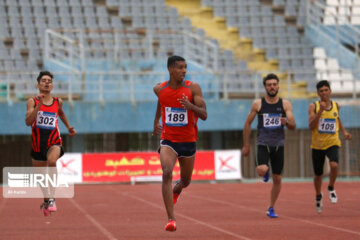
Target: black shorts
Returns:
[[42, 155], [183, 149], [274, 154], [318, 158]]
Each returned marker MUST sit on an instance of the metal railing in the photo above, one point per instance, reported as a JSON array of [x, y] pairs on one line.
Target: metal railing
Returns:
[[72, 48]]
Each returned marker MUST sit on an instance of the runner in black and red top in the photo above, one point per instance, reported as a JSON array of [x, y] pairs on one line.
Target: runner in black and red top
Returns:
[[180, 104], [42, 115]]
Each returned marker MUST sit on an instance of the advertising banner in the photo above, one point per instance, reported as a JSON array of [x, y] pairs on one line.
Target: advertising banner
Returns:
[[69, 167], [227, 164], [127, 166]]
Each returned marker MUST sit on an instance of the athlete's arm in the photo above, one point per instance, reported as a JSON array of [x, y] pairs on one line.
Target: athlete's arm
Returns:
[[314, 117], [32, 111], [341, 126], [64, 119], [157, 127], [247, 127], [157, 89], [199, 106], [290, 123]]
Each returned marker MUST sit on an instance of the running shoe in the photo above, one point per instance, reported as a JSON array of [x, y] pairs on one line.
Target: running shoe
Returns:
[[176, 195], [318, 204], [333, 196], [271, 213], [266, 177], [171, 226], [52, 205], [45, 208]]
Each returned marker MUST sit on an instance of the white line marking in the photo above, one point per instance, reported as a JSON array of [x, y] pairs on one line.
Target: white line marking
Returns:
[[282, 216], [184, 216], [93, 221]]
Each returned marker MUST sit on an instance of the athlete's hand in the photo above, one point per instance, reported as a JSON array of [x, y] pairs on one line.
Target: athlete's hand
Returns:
[[41, 98], [185, 102], [157, 129], [72, 131], [322, 106], [347, 135], [245, 150], [283, 121]]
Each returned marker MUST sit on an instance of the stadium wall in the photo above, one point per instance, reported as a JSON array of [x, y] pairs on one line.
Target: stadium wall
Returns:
[[125, 117]]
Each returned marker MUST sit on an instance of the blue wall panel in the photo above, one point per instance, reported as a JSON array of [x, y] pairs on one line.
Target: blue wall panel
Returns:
[[125, 117]]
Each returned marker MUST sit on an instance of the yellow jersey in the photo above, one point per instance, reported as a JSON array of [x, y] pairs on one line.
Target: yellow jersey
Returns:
[[326, 134]]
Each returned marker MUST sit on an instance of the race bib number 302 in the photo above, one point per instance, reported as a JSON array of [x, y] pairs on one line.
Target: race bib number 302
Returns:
[[327, 125], [176, 117], [46, 120], [272, 120]]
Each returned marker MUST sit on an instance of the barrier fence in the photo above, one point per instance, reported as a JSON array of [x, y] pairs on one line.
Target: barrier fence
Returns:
[[145, 166]]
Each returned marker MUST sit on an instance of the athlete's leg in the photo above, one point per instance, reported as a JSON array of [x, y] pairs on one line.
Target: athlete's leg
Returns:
[[262, 160], [333, 155], [168, 159], [333, 173], [52, 156], [318, 159], [186, 169], [275, 190], [38, 163], [277, 166]]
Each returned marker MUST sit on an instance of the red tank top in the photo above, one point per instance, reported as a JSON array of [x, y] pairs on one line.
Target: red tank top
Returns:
[[179, 124], [45, 130]]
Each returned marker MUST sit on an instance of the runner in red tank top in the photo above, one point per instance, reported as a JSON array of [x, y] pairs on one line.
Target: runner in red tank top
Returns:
[[180, 104], [42, 115]]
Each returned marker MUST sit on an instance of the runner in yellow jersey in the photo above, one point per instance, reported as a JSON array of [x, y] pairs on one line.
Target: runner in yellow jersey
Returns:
[[325, 123]]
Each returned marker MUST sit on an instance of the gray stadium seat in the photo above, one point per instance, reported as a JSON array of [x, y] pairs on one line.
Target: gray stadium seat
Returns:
[[50, 3], [25, 11], [37, 3], [24, 3]]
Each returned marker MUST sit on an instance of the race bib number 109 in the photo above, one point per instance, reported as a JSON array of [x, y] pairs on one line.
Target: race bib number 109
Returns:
[[327, 126], [176, 117], [46, 120]]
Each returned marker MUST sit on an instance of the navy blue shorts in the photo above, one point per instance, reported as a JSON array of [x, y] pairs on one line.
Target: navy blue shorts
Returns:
[[183, 149]]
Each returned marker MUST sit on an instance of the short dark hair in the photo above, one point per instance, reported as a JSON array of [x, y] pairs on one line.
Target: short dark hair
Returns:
[[44, 73], [322, 83], [173, 59], [270, 76]]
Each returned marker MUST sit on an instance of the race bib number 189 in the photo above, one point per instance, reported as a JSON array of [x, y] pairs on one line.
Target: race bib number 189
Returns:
[[176, 117], [46, 120], [272, 120], [327, 125]]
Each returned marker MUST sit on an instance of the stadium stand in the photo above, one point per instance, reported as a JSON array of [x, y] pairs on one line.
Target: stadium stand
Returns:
[[243, 39]]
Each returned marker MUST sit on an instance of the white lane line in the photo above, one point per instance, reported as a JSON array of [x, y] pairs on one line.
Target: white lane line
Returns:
[[247, 208], [183, 216], [93, 220]]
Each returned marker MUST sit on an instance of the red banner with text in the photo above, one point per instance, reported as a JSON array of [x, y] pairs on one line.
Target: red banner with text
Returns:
[[127, 166]]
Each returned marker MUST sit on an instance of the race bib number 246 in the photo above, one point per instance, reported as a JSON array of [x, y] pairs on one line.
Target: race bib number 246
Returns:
[[272, 120]]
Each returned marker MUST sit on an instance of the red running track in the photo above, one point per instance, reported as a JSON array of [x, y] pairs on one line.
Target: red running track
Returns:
[[204, 211]]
